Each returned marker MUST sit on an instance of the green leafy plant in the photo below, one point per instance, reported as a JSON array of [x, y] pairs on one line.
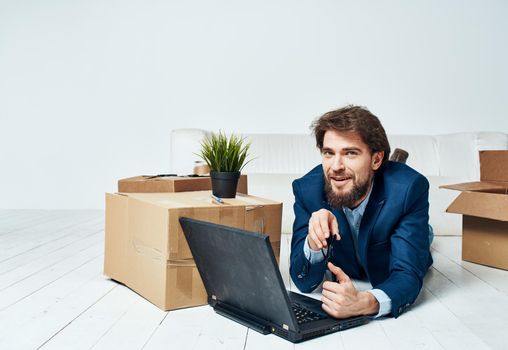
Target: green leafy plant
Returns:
[[223, 154]]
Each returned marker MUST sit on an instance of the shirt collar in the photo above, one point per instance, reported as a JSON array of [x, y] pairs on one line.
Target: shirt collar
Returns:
[[361, 208]]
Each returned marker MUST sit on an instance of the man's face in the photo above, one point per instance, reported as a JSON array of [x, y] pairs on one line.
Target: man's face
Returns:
[[349, 168]]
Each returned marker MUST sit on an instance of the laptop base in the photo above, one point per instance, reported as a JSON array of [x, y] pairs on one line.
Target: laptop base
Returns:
[[243, 318]]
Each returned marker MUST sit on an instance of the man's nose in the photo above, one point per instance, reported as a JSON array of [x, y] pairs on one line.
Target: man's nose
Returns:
[[338, 164]]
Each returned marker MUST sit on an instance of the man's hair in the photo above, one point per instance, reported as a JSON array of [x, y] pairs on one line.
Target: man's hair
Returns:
[[353, 119]]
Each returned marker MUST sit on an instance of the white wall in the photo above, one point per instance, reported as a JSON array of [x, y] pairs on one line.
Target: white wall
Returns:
[[89, 90]]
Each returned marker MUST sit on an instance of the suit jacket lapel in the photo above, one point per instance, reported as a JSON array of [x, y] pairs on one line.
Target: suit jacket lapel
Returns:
[[376, 202]]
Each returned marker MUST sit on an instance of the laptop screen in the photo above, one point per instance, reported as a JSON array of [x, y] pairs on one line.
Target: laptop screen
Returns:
[[238, 268]]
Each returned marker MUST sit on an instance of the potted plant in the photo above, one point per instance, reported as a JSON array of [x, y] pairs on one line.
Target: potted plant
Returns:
[[226, 158]]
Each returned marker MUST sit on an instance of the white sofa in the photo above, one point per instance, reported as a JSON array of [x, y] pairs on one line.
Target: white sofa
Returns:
[[281, 158]]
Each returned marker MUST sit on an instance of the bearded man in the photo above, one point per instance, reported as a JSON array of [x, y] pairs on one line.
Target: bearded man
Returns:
[[376, 211]]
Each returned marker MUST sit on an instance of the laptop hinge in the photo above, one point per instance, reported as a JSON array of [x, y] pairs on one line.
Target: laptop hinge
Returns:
[[248, 320]]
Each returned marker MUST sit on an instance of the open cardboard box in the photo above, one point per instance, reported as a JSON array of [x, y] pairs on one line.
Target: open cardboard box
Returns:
[[146, 250], [484, 206]]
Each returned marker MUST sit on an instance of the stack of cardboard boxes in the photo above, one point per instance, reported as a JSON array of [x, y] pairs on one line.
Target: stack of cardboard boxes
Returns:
[[146, 250]]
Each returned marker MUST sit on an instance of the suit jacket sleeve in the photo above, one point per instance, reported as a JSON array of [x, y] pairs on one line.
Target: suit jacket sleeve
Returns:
[[410, 255], [306, 276]]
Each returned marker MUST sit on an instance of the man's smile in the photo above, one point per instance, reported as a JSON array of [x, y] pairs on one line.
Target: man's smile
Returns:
[[340, 180]]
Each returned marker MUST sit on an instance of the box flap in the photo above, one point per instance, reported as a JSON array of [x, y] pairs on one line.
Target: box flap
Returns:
[[494, 166], [484, 205], [477, 186]]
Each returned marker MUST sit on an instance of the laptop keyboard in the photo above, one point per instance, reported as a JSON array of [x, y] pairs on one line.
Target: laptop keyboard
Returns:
[[304, 315]]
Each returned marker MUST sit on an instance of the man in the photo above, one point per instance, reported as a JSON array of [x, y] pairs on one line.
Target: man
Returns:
[[376, 209]]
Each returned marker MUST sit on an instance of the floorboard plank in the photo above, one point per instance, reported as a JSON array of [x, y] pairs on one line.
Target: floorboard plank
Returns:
[[11, 218], [134, 328], [257, 340], [44, 250], [22, 289], [197, 328], [93, 324], [48, 261], [446, 328], [25, 244], [23, 222], [44, 218], [451, 247], [477, 304], [35, 319], [57, 223]]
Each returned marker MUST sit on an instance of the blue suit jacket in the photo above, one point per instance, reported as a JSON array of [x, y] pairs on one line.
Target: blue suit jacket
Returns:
[[393, 241]]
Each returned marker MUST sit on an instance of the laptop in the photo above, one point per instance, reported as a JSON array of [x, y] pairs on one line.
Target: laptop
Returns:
[[243, 282]]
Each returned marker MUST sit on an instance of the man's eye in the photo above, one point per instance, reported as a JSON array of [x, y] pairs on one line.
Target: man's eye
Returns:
[[351, 153]]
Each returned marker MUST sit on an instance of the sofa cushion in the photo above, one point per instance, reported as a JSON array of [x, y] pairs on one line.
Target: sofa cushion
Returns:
[[423, 156], [282, 154]]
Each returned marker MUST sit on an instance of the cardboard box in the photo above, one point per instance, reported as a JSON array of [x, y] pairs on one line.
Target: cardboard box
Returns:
[[145, 248], [484, 206], [149, 184]]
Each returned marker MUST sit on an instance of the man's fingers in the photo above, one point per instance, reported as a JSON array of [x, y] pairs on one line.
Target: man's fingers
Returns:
[[323, 223], [337, 297], [314, 241], [334, 225], [318, 235], [331, 286], [318, 229], [330, 311], [330, 303], [327, 300], [337, 271], [331, 296]]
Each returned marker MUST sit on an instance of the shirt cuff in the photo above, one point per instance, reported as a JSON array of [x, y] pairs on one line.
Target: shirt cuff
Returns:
[[385, 303], [313, 256]]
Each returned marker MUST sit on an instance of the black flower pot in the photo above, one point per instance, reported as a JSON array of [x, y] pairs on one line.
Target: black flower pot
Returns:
[[224, 183]]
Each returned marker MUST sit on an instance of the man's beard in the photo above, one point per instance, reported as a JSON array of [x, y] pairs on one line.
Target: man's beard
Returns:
[[348, 199]]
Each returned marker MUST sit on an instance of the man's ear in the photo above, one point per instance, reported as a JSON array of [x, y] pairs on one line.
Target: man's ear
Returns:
[[377, 159]]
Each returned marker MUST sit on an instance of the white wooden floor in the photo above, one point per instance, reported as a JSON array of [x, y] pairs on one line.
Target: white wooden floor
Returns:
[[53, 296]]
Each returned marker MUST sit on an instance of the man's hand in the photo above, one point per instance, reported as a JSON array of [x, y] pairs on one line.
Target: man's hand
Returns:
[[342, 300], [322, 223]]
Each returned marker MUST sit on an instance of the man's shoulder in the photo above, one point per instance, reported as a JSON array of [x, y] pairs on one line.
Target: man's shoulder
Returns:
[[310, 186], [398, 174], [396, 169], [313, 177]]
